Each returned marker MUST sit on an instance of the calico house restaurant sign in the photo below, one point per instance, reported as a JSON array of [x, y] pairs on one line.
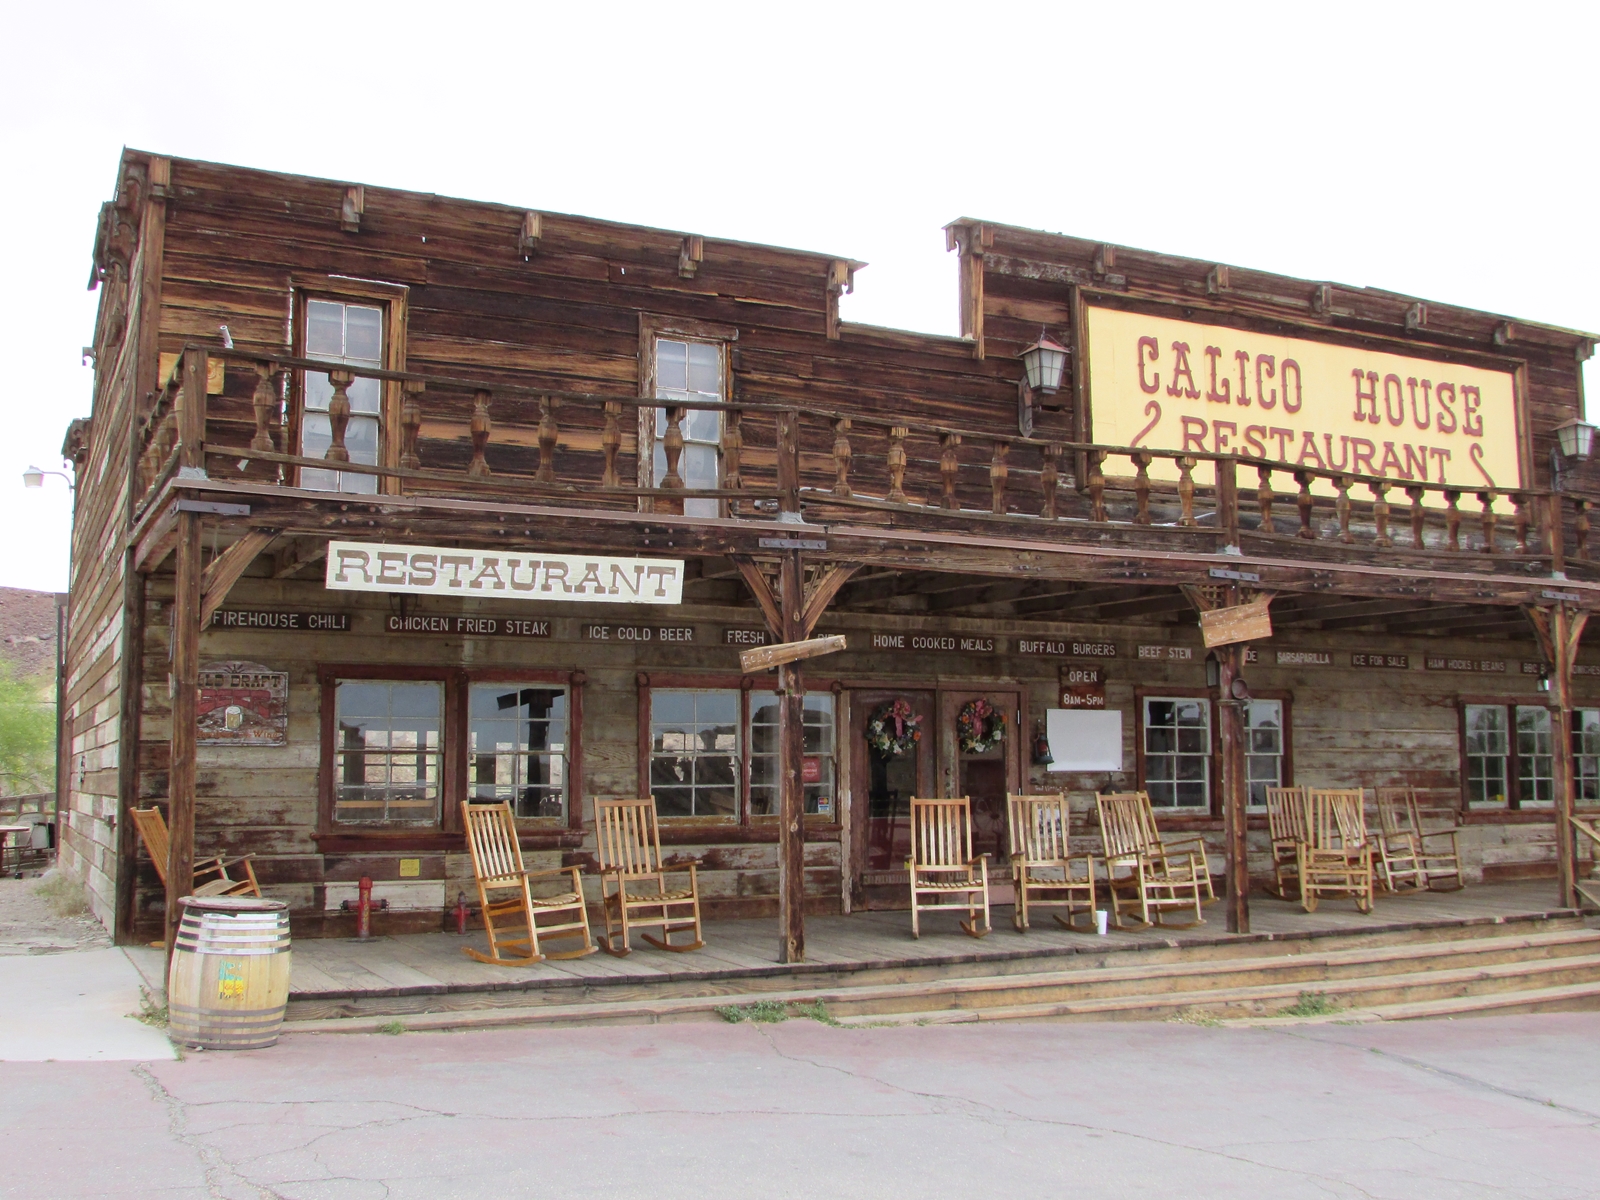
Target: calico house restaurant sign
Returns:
[[520, 575]]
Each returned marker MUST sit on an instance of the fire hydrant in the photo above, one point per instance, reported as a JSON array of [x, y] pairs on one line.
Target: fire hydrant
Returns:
[[461, 913], [363, 906]]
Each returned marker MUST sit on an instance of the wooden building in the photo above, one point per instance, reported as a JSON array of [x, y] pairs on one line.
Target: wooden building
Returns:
[[382, 495]]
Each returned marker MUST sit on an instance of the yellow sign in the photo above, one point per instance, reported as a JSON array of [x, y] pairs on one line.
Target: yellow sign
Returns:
[[1186, 386], [410, 868]]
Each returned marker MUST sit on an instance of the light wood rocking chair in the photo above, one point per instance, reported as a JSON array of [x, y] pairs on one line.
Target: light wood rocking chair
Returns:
[[1286, 825], [152, 827], [629, 850], [1041, 865], [1438, 851], [505, 894], [942, 864], [1156, 882], [1191, 844], [1396, 849], [1336, 858]]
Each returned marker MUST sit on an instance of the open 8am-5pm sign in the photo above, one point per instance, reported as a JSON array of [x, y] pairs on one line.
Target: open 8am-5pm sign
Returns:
[[1187, 386], [482, 574]]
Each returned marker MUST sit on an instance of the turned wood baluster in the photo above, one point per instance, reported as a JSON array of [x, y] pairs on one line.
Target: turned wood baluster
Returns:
[[1380, 514], [897, 464], [1521, 523], [411, 424], [997, 476], [1264, 498], [477, 468], [1452, 520], [949, 467], [339, 414], [1097, 486], [733, 454], [1186, 466], [265, 401], [611, 442], [841, 456], [1049, 480], [1141, 486], [1580, 528], [1486, 499], [1305, 504], [1341, 506], [672, 448], [549, 438], [1417, 515]]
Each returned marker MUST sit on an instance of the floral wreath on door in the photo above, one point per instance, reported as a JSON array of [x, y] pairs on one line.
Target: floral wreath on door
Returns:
[[980, 726]]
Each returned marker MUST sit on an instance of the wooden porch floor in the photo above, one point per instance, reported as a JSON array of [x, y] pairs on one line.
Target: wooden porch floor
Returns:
[[330, 970]]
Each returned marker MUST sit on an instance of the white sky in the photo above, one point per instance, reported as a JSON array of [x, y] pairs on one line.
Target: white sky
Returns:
[[1442, 150]]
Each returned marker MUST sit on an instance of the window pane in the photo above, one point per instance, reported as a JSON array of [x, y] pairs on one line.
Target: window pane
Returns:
[[705, 362], [387, 754], [1177, 764], [363, 334], [324, 329], [672, 371], [695, 752]]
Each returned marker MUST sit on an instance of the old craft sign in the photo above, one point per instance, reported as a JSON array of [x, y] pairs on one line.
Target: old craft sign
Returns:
[[242, 704], [1186, 386], [528, 575]]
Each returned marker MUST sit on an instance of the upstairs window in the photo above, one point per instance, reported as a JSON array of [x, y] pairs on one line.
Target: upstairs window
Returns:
[[687, 372], [351, 335]]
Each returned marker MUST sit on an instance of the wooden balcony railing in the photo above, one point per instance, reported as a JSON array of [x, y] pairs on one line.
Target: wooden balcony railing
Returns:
[[467, 437]]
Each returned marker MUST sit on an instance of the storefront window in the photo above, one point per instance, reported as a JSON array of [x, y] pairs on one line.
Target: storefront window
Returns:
[[819, 765], [1177, 752], [1586, 753], [1487, 751], [387, 755], [1505, 769], [1263, 723], [517, 747], [1535, 761], [694, 753]]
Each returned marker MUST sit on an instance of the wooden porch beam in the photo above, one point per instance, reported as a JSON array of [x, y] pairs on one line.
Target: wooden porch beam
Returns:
[[226, 569], [822, 592], [761, 592], [1559, 631]]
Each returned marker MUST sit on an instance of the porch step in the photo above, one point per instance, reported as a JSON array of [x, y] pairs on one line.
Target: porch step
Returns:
[[1560, 966]]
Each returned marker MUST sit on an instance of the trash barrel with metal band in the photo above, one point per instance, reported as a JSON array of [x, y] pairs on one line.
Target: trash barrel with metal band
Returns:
[[229, 981]]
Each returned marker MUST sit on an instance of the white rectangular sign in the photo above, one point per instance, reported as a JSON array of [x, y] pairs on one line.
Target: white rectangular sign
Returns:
[[514, 575], [1084, 739]]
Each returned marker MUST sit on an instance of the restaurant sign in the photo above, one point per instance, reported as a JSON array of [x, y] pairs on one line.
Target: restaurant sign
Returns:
[[519, 575], [1198, 388]]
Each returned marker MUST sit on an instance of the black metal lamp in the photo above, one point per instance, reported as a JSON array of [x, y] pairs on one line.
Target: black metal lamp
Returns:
[[1043, 364], [1574, 440]]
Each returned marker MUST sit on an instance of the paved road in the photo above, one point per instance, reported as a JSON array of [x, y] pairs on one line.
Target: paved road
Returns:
[[1505, 1106]]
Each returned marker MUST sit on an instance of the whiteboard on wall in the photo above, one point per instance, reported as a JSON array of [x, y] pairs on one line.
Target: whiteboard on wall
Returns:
[[1084, 739]]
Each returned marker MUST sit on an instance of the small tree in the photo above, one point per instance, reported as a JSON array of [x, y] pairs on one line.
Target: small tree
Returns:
[[27, 735]]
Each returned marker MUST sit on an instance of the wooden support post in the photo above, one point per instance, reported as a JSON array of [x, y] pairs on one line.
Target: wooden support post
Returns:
[[1560, 630], [1234, 788], [789, 466], [791, 757], [185, 695]]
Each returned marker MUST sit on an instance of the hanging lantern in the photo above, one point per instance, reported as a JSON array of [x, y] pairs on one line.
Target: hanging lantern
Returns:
[[1576, 439], [1045, 361]]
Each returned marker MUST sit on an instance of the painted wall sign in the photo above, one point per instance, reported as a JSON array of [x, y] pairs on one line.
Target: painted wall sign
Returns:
[[664, 634], [1304, 658], [520, 627], [242, 704], [1490, 666], [1082, 687], [1183, 385], [746, 637], [1165, 653], [1386, 662], [1066, 648], [444, 571], [937, 643], [265, 618]]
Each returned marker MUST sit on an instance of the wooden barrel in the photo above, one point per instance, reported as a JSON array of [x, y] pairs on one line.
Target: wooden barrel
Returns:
[[229, 981]]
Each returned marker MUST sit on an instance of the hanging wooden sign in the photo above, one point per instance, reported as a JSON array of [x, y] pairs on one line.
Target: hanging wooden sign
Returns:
[[764, 658], [1241, 623]]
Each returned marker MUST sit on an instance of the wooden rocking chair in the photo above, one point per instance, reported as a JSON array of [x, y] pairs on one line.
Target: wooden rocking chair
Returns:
[[1041, 865], [1336, 858], [1396, 849], [152, 827], [1286, 824], [1192, 845], [1156, 882], [510, 920], [942, 864], [629, 850], [1438, 851]]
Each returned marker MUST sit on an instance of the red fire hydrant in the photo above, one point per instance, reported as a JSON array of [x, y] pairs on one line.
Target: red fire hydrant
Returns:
[[363, 906], [461, 913]]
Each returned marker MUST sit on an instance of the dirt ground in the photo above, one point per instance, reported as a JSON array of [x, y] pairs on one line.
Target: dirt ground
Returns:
[[28, 924]]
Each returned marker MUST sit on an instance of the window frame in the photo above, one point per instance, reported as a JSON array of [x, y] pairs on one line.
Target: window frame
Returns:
[[745, 826], [1141, 692], [1573, 745], [1514, 800], [394, 300], [1142, 697], [457, 683], [654, 326], [1285, 703]]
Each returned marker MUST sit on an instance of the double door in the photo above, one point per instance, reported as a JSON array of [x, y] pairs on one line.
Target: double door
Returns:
[[882, 785]]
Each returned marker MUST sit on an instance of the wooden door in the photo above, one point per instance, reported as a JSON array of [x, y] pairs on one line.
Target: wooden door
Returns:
[[985, 776], [881, 789]]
